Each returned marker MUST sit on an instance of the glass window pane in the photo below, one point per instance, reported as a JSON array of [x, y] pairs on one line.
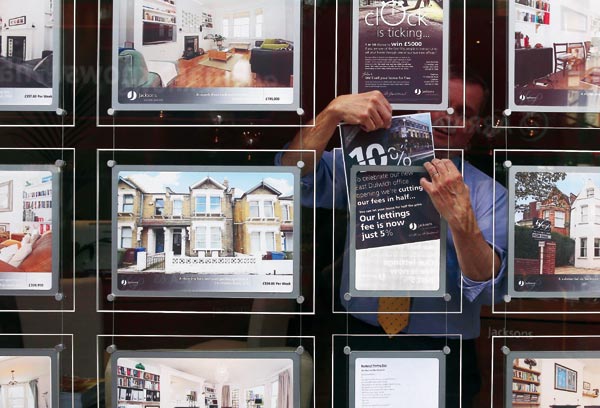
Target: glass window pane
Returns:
[[201, 205], [215, 204]]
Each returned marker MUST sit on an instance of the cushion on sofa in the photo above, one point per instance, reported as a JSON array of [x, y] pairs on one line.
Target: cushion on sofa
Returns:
[[274, 46], [10, 242], [7, 252], [40, 259], [22, 253], [270, 41]]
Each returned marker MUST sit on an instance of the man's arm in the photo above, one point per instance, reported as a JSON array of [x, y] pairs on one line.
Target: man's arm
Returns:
[[450, 196], [369, 110]]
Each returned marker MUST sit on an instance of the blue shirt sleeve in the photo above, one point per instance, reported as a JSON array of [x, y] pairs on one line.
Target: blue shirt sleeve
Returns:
[[492, 220]]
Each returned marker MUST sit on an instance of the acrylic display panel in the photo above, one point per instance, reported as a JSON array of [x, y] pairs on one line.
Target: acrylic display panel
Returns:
[[541, 188], [382, 370], [160, 224], [402, 51], [551, 222], [36, 219], [342, 280], [241, 225], [188, 377], [31, 47], [182, 370], [545, 371], [386, 377], [228, 63], [545, 65]]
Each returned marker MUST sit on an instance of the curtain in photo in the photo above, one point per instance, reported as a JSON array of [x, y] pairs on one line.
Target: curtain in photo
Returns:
[[284, 396], [225, 396], [32, 394]]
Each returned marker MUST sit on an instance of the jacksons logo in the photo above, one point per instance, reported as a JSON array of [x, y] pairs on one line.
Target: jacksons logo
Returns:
[[392, 14]]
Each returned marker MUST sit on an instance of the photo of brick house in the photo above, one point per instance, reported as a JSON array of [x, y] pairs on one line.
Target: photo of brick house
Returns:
[[204, 223], [567, 201]]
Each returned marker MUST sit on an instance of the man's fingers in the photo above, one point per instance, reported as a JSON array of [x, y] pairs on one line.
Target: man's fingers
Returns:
[[432, 170]]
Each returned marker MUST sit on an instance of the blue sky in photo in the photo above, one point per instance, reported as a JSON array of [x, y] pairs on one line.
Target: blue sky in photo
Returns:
[[179, 182]]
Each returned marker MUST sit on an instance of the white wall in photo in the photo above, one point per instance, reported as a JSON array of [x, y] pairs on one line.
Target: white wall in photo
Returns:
[[37, 29], [26, 369], [550, 396]]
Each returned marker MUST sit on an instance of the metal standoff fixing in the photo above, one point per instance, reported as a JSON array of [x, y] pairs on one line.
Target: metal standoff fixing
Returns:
[[507, 298], [111, 297], [347, 350], [505, 350], [60, 163], [59, 297], [61, 112], [300, 350], [110, 111], [111, 163], [450, 111], [347, 296], [507, 112], [300, 164], [300, 112], [300, 299], [218, 119], [59, 347], [507, 164], [446, 350], [447, 297], [111, 349]]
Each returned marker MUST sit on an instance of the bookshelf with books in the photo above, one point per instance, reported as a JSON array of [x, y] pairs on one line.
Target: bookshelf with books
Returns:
[[533, 11], [210, 396], [525, 386], [137, 386]]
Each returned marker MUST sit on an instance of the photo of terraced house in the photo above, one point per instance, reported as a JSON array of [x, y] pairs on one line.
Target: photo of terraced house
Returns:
[[205, 225]]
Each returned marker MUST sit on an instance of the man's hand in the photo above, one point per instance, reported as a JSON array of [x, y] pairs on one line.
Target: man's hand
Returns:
[[450, 196], [370, 110]]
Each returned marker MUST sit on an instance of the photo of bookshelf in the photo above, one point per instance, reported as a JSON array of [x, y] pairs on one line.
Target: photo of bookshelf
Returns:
[[554, 379]]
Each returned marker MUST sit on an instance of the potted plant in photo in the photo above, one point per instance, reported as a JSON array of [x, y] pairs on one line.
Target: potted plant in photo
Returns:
[[219, 40]]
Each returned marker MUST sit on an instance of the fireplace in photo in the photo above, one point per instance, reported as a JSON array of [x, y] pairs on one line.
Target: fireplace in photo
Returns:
[[191, 48]]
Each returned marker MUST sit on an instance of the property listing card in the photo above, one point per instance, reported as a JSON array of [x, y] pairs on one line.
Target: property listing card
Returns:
[[554, 244], [553, 56], [29, 235], [393, 379], [220, 231], [242, 55], [30, 59], [400, 48]]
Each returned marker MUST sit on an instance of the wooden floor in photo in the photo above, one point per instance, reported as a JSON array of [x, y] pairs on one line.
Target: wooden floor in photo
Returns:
[[192, 74]]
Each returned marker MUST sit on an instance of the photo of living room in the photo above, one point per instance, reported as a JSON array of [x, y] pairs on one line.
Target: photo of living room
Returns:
[[25, 381], [26, 215], [547, 379], [204, 382], [204, 45], [554, 52]]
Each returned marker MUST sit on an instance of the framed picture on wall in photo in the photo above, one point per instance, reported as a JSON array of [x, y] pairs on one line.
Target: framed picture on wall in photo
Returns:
[[29, 229], [565, 379], [198, 231], [228, 55], [30, 55], [554, 240]]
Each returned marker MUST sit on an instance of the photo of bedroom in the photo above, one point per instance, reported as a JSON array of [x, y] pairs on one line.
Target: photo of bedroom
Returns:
[[165, 47], [169, 382], [554, 47], [25, 381], [26, 243]]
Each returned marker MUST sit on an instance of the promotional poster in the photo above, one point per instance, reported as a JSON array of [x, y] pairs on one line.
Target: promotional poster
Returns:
[[29, 54], [552, 378], [205, 379], [554, 56], [381, 379], [399, 237], [408, 142], [29, 210], [191, 55], [554, 240], [209, 232], [400, 48]]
